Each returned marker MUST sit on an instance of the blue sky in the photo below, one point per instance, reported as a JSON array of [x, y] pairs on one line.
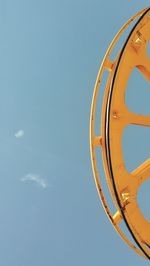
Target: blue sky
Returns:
[[50, 53]]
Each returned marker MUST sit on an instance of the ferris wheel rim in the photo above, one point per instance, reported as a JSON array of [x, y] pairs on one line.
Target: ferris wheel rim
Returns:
[[108, 138], [92, 135]]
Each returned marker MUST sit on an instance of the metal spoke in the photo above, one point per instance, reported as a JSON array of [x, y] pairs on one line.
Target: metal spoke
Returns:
[[117, 218], [97, 141], [142, 173], [137, 119], [144, 67]]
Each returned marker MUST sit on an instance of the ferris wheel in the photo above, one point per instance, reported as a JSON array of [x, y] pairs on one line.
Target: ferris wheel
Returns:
[[115, 117]]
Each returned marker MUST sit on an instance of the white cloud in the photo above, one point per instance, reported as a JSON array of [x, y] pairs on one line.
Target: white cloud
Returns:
[[35, 178], [19, 134]]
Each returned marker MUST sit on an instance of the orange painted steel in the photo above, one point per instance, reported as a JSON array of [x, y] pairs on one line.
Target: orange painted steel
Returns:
[[122, 184]]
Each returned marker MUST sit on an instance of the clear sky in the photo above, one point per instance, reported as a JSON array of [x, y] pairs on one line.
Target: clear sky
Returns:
[[50, 53]]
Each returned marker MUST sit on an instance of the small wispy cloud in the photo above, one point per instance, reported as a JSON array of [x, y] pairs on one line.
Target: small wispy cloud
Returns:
[[19, 134], [35, 178]]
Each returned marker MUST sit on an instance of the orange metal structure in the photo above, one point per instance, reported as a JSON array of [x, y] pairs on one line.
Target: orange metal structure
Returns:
[[122, 184]]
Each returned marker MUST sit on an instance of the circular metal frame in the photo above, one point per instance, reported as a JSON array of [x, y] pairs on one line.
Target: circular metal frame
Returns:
[[115, 117]]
